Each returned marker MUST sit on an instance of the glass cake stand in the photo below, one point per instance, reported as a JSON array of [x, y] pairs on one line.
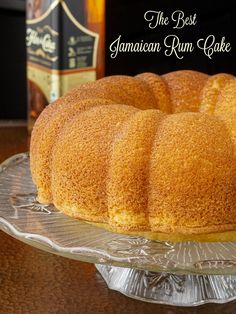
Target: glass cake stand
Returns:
[[184, 274]]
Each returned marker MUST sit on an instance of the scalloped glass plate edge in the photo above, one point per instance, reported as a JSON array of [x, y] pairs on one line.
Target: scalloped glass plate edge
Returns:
[[170, 285], [118, 250]]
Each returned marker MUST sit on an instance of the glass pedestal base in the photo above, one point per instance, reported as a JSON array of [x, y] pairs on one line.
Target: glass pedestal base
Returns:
[[166, 288]]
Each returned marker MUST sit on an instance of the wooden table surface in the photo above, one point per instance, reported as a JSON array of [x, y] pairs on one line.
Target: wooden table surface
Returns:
[[33, 281]]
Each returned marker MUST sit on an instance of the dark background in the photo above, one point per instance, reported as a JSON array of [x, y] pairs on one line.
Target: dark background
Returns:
[[123, 18]]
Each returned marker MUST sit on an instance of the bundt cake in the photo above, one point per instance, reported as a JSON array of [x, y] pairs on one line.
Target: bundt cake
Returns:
[[150, 155]]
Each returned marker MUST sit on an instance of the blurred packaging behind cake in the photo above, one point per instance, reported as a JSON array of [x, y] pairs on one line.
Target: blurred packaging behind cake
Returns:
[[65, 47]]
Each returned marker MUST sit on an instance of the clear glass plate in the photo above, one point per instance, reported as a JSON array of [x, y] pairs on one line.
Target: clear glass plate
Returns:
[[154, 271]]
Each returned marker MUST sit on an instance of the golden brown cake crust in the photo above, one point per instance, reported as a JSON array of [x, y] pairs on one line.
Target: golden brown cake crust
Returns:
[[159, 89], [211, 91], [193, 187], [127, 182], [185, 89], [104, 153], [79, 172]]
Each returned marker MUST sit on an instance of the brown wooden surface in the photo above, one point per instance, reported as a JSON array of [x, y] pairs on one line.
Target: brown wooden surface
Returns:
[[33, 281]]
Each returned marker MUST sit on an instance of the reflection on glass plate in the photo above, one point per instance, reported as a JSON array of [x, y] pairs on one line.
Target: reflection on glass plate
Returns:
[[180, 266]]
